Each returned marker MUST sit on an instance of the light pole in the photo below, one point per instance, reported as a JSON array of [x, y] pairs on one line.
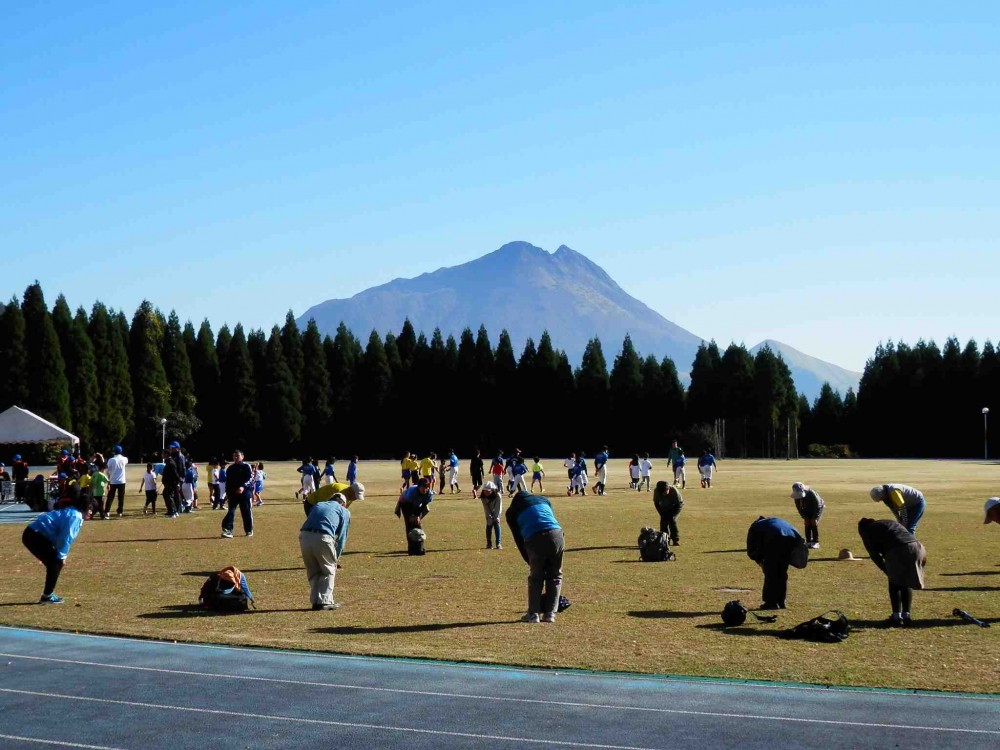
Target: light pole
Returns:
[[986, 439], [163, 433]]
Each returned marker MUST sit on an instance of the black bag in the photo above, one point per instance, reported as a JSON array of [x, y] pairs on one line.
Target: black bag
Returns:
[[654, 546], [822, 629], [415, 541], [219, 593]]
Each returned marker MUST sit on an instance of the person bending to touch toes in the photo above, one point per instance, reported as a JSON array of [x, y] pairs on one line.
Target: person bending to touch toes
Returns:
[[539, 539]]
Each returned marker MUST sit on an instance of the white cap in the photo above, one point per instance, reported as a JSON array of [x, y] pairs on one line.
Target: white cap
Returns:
[[359, 490], [990, 505], [876, 493], [489, 487], [798, 491]]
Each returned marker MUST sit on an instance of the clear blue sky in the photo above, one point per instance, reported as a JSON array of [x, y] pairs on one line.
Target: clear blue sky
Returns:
[[827, 176]]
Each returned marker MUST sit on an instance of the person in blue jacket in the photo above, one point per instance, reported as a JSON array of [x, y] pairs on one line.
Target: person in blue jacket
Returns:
[[774, 544], [539, 539], [50, 536]]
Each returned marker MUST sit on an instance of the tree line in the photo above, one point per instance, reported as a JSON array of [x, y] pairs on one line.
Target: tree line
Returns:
[[290, 392]]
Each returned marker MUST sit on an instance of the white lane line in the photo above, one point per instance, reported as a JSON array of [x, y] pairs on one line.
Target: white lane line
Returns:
[[57, 743], [330, 723], [542, 671], [565, 704]]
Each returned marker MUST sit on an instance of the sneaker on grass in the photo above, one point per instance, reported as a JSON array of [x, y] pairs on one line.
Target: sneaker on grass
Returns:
[[530, 617], [227, 535], [549, 617], [51, 599]]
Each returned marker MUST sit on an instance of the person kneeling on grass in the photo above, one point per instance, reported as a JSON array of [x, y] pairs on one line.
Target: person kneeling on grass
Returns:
[[899, 555], [50, 536], [539, 539], [774, 544], [321, 540]]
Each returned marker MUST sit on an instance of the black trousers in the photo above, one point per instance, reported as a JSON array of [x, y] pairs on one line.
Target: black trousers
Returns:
[[115, 488], [170, 498], [668, 524], [42, 548]]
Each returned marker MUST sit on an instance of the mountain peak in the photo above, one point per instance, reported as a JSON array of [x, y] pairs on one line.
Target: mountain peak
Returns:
[[519, 249]]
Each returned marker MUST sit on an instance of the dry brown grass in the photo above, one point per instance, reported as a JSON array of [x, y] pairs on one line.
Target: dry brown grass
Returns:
[[138, 576]]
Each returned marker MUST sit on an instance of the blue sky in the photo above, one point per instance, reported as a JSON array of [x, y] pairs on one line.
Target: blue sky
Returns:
[[827, 176]]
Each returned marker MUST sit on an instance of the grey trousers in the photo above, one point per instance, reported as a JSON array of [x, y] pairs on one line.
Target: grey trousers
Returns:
[[545, 553], [319, 554]]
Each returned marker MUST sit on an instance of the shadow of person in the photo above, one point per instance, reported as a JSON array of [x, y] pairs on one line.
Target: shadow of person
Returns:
[[430, 627], [721, 551], [919, 623], [186, 611], [743, 630], [610, 546], [654, 614], [962, 588]]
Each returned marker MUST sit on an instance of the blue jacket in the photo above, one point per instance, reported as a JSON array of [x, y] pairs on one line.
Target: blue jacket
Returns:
[[330, 518], [529, 515], [60, 527], [770, 534]]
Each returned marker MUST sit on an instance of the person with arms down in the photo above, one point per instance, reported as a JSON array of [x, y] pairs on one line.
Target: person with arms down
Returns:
[[413, 504], [492, 500], [170, 483], [906, 503], [239, 493], [453, 485], [668, 503], [774, 544], [706, 468], [50, 536], [898, 554], [601, 469], [321, 540], [477, 471], [310, 478], [810, 506], [116, 480], [539, 539]]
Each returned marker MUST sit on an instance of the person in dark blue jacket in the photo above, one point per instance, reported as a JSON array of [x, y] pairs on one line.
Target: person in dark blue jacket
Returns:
[[50, 536], [774, 544], [539, 538], [239, 494]]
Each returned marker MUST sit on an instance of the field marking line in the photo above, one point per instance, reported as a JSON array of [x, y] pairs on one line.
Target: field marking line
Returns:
[[328, 722], [58, 743], [553, 672], [531, 701]]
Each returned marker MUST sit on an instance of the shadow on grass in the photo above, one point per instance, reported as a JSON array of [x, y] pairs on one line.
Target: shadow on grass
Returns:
[[185, 611], [744, 630], [962, 588], [974, 573], [429, 552], [142, 541], [919, 623], [834, 559], [18, 604], [721, 551], [206, 573], [394, 629], [655, 614], [629, 562], [590, 549]]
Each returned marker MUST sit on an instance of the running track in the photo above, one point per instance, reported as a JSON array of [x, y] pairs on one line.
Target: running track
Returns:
[[63, 690]]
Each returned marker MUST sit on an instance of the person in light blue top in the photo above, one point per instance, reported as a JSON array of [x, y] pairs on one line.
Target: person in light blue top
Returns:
[[539, 539], [322, 539], [50, 536]]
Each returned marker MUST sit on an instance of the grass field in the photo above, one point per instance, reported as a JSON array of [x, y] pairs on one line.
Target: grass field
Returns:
[[141, 575]]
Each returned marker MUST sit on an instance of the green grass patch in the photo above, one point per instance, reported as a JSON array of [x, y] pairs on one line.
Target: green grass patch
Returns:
[[140, 576]]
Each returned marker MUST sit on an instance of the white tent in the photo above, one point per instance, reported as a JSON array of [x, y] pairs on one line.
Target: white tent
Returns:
[[19, 425]]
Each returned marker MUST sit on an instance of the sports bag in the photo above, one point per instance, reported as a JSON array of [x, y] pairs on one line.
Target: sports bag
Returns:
[[654, 546], [734, 613], [226, 591], [822, 629]]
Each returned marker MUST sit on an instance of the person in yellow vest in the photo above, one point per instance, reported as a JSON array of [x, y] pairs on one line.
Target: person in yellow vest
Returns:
[[351, 492], [906, 503]]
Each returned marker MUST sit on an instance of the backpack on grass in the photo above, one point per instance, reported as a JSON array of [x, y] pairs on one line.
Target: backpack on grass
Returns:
[[654, 546], [822, 629], [226, 591]]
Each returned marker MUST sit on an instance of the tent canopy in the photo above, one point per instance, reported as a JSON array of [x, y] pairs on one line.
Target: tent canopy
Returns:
[[19, 425]]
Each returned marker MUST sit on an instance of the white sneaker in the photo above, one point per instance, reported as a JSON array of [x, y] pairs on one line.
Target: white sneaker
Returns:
[[549, 617], [227, 535], [530, 617], [814, 545]]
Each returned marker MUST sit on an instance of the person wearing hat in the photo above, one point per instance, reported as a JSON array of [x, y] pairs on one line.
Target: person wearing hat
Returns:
[[668, 503], [898, 554], [64, 464], [992, 510], [19, 471], [774, 544], [412, 504], [492, 500], [171, 477], [810, 506], [321, 540], [50, 536], [906, 503], [351, 492], [539, 539]]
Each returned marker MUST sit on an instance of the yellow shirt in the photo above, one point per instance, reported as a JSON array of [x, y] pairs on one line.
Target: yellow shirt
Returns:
[[84, 481], [426, 467], [411, 464], [327, 491], [537, 468]]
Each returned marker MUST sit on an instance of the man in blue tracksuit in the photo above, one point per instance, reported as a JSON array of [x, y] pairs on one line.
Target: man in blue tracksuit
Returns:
[[239, 493], [539, 538]]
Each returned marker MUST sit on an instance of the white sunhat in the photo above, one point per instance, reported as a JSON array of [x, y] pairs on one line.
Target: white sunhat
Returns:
[[798, 491], [489, 487], [990, 505], [359, 490]]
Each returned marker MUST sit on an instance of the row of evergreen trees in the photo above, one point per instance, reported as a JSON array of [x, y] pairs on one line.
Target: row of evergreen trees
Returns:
[[290, 392]]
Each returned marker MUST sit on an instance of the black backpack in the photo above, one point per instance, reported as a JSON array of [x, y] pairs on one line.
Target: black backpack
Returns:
[[822, 629], [654, 546], [219, 593]]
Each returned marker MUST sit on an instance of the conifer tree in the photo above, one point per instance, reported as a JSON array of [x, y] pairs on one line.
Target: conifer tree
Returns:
[[407, 344], [82, 376], [674, 404], [291, 345], [13, 357], [373, 389], [48, 388], [281, 409], [704, 396], [770, 396], [205, 374], [317, 413], [342, 361], [484, 364], [115, 402], [526, 366], [737, 397], [240, 415], [257, 347], [626, 392], [592, 381], [150, 387], [177, 366]]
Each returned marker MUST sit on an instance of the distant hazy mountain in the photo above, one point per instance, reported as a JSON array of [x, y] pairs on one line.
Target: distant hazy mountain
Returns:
[[527, 290], [810, 373], [524, 289]]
